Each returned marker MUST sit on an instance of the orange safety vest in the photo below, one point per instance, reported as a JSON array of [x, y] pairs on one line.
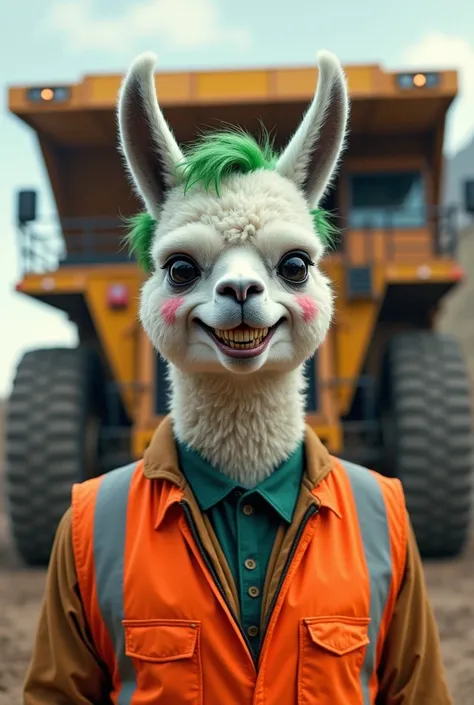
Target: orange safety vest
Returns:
[[165, 629]]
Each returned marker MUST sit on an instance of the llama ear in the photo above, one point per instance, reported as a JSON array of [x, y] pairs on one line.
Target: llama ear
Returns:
[[311, 157], [150, 149]]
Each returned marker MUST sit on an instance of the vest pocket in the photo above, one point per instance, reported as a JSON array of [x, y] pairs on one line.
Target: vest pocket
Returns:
[[332, 651], [167, 660]]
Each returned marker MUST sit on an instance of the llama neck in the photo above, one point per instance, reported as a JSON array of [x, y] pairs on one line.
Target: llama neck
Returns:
[[245, 427]]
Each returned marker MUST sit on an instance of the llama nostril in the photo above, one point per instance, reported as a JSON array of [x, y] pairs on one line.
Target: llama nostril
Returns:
[[239, 290]]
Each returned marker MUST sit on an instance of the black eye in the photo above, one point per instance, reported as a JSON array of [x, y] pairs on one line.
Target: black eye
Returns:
[[294, 267], [182, 271]]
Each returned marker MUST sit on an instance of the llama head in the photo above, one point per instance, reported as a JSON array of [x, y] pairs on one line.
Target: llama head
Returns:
[[232, 236]]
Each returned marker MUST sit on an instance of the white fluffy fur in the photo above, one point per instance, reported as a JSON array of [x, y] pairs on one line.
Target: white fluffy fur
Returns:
[[256, 420], [244, 416]]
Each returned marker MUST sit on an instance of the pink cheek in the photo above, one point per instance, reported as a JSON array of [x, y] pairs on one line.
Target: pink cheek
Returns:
[[169, 309], [309, 308]]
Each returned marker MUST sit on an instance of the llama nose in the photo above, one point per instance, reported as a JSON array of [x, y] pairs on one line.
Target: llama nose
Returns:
[[239, 288]]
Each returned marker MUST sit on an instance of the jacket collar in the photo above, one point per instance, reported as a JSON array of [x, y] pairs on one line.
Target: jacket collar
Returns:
[[161, 462]]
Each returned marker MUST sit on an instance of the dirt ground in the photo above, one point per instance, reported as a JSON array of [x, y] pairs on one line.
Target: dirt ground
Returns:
[[451, 586]]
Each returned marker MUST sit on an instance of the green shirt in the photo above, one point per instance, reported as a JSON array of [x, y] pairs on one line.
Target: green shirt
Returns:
[[245, 523]]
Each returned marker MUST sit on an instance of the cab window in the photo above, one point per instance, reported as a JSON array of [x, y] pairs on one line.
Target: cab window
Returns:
[[387, 200]]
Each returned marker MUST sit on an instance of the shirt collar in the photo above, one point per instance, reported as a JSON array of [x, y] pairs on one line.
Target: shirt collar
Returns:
[[280, 490], [208, 484], [282, 487]]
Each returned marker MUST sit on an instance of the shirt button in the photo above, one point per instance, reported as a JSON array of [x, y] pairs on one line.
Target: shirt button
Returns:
[[250, 564], [252, 631], [247, 509], [253, 591]]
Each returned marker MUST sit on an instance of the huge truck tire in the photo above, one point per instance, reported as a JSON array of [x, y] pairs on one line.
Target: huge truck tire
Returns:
[[52, 438], [428, 437]]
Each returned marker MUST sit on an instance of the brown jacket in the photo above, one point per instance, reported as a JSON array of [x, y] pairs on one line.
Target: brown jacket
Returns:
[[65, 667]]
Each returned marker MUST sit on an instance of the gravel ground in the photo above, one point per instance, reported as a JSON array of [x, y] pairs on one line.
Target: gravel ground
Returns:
[[451, 586]]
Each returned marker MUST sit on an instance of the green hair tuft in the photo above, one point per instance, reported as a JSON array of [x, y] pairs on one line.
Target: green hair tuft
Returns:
[[139, 238], [326, 231], [220, 154]]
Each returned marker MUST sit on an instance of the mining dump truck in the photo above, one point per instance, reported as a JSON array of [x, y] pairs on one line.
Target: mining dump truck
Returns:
[[385, 390]]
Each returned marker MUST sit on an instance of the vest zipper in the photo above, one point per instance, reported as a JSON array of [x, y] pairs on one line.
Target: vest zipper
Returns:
[[210, 567], [311, 511]]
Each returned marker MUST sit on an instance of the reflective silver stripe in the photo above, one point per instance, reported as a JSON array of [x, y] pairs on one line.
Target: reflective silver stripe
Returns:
[[109, 552], [374, 529]]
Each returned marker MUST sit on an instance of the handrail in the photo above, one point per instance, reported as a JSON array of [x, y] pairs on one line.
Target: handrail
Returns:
[[47, 244], [440, 221], [44, 246]]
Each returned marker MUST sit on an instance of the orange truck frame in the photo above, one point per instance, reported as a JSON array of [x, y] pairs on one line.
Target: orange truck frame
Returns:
[[394, 262]]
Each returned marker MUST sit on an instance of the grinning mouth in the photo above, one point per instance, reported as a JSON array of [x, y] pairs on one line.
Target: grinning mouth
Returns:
[[242, 338], [242, 341]]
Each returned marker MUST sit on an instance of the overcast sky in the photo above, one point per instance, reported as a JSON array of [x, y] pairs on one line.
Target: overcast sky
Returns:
[[59, 40]]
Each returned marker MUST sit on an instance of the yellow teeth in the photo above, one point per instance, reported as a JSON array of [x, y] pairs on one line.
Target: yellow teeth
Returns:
[[243, 339]]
